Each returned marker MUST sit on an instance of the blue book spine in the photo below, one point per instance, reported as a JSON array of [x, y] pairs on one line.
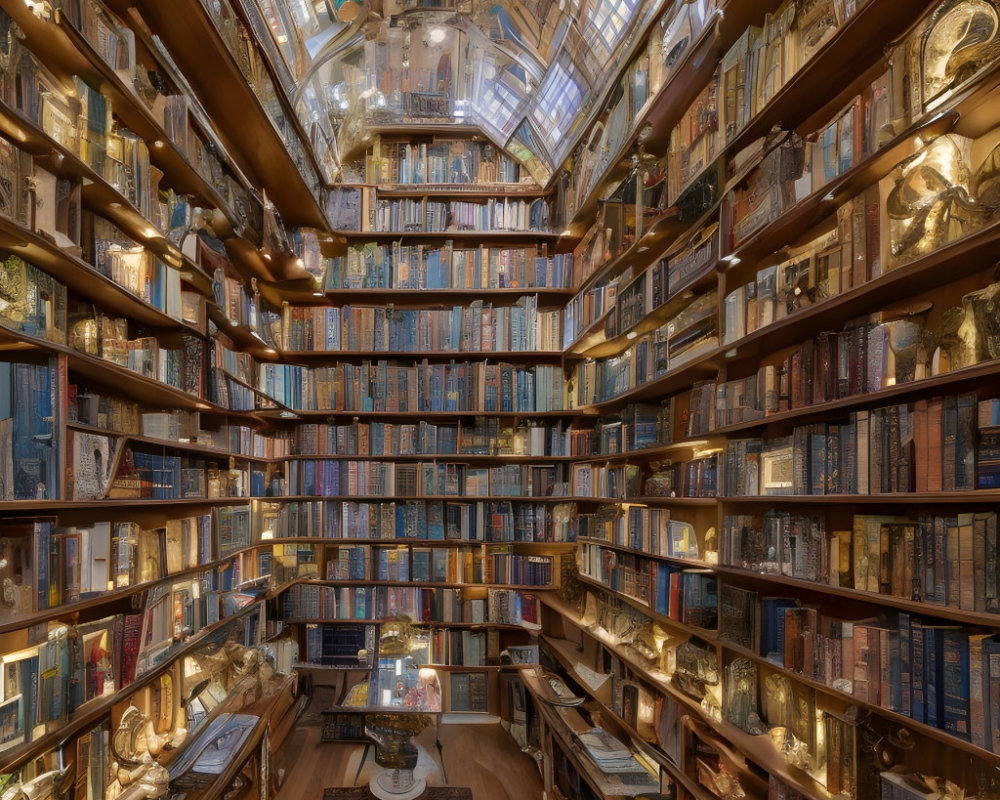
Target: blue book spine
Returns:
[[931, 660], [953, 691]]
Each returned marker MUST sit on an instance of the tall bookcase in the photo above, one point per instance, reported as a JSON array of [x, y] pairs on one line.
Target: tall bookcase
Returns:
[[791, 443]]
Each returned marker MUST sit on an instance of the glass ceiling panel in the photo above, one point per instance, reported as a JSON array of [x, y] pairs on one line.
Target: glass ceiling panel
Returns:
[[527, 72]]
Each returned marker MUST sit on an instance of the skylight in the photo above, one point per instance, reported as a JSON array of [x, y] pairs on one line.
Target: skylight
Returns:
[[527, 72]]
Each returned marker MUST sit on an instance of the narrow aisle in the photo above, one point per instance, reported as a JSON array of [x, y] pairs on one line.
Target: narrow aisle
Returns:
[[482, 757]]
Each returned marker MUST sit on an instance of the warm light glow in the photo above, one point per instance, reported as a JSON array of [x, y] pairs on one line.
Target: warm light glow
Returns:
[[268, 534], [317, 294], [436, 35], [202, 406], [631, 335], [158, 144]]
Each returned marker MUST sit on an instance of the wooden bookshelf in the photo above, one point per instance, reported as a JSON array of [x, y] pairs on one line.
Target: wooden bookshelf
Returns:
[[249, 134]]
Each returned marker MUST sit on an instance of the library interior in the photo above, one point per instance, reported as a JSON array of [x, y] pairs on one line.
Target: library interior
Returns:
[[464, 400]]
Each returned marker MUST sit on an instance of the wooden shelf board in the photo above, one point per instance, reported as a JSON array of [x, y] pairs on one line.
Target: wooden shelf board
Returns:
[[529, 356], [977, 618], [249, 134], [404, 298]]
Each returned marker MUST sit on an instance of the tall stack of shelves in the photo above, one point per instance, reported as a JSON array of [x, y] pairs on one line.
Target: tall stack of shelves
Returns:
[[798, 473]]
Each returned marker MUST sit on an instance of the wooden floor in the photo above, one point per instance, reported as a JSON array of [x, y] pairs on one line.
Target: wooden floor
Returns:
[[482, 757]]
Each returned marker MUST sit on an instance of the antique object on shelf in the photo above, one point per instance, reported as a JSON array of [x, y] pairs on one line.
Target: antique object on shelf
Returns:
[[393, 734]]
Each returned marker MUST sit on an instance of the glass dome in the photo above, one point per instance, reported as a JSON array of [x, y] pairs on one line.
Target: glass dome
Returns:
[[527, 73]]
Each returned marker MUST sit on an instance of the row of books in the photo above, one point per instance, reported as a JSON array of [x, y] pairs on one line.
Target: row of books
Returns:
[[650, 70], [926, 446], [690, 334], [424, 215], [688, 596], [406, 479], [137, 270], [433, 604], [399, 266], [244, 50], [502, 565], [442, 161], [637, 426], [385, 386], [31, 430], [476, 327], [586, 308], [426, 564], [417, 564], [642, 528], [119, 415], [114, 42], [944, 559], [827, 265], [591, 480], [47, 566], [940, 675], [462, 648], [63, 667], [482, 436], [420, 519], [749, 76], [237, 304]]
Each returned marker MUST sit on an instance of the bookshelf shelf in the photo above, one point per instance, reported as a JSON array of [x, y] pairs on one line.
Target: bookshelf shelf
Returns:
[[962, 257], [702, 633], [424, 584], [561, 724], [97, 193], [166, 444], [596, 345], [95, 709], [457, 458], [146, 390], [82, 278], [243, 336], [54, 506], [953, 380], [249, 135], [421, 623], [394, 416], [456, 235], [475, 190], [895, 498], [62, 48], [921, 728], [684, 562], [819, 589], [104, 598], [404, 298], [528, 356], [452, 497], [349, 541], [680, 377], [758, 749]]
